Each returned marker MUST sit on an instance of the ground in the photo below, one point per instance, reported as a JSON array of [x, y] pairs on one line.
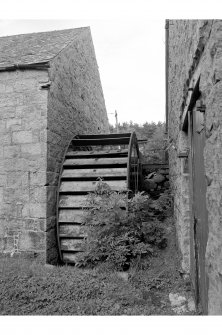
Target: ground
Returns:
[[29, 288]]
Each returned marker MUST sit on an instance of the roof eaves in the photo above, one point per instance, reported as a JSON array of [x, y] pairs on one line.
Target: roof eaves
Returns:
[[26, 66]]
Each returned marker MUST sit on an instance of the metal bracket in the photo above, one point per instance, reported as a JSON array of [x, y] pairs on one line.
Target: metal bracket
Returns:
[[200, 107], [183, 154]]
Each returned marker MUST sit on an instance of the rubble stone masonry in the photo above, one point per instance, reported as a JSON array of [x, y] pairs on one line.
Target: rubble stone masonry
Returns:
[[40, 112], [23, 122], [75, 106], [192, 44]]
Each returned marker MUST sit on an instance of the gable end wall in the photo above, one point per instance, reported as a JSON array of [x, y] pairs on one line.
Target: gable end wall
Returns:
[[75, 106]]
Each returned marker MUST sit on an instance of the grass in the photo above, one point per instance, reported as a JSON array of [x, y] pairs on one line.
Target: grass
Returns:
[[29, 288]]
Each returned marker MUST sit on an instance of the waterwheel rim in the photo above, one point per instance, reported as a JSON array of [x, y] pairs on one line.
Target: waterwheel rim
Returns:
[[86, 154]]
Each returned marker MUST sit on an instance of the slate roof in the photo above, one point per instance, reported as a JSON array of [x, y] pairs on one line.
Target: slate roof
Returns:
[[35, 47]]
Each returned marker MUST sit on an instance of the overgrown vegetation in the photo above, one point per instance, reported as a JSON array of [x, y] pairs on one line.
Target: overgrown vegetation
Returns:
[[29, 288], [144, 131], [154, 133], [121, 229], [140, 227]]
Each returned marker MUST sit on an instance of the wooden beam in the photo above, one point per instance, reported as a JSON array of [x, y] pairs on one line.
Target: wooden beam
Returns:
[[71, 244], [72, 230], [95, 162], [76, 216], [99, 136], [89, 186], [96, 153], [78, 201], [94, 173], [100, 141]]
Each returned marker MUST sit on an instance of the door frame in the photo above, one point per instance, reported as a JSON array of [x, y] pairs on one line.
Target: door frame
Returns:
[[187, 125]]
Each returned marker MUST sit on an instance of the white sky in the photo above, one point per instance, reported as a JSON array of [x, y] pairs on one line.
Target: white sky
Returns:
[[130, 55], [128, 36]]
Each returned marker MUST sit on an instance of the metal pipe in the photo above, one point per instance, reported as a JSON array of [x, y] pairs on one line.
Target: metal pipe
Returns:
[[166, 70]]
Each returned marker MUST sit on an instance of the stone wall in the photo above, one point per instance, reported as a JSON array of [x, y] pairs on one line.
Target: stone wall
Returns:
[[23, 113], [75, 106], [181, 53], [40, 112], [197, 45]]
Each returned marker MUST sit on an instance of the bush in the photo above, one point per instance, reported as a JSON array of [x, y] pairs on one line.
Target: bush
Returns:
[[163, 206], [119, 228]]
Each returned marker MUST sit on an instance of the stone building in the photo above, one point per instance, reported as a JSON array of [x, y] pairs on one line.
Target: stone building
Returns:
[[50, 91], [194, 122]]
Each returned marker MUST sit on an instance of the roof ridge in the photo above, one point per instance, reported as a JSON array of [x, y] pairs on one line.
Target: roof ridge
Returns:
[[45, 32], [65, 46]]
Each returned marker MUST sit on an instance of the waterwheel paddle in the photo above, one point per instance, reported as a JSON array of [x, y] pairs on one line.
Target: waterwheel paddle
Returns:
[[112, 157]]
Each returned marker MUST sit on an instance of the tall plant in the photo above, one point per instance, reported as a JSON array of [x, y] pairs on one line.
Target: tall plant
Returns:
[[119, 229]]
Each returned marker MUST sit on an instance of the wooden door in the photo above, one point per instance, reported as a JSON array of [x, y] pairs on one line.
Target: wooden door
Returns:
[[199, 219]]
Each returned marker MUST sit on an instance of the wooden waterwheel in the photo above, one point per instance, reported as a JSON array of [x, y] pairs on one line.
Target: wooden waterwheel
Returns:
[[112, 157]]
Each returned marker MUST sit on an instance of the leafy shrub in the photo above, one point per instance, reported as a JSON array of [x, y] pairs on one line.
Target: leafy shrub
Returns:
[[163, 205], [119, 228], [154, 133]]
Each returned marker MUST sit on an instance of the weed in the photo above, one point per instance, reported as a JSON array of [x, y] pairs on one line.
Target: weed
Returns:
[[119, 228]]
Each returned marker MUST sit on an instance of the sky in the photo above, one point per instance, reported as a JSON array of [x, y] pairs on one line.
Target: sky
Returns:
[[130, 55], [129, 41]]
